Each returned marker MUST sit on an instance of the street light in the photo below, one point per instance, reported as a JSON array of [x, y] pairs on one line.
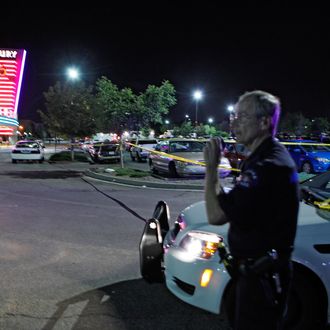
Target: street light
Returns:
[[167, 121], [72, 73], [198, 95], [20, 130], [230, 109], [210, 120]]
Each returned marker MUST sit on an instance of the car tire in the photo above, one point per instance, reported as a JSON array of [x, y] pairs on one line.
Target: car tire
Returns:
[[172, 170], [14, 161], [306, 306], [307, 167]]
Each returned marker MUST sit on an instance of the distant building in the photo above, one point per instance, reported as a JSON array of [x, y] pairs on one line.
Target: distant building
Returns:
[[11, 74]]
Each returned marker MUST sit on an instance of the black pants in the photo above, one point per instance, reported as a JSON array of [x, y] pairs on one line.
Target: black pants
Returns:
[[257, 304]]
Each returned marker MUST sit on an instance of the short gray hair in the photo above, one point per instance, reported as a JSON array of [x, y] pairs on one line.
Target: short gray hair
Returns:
[[265, 105]]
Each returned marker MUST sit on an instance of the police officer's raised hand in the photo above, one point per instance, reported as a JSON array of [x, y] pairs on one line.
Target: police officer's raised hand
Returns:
[[212, 153]]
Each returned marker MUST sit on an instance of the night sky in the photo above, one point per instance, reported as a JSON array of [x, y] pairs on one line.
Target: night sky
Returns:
[[220, 50]]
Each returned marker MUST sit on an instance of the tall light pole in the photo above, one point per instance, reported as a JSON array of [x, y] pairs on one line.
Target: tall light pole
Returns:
[[73, 75], [198, 95], [230, 109]]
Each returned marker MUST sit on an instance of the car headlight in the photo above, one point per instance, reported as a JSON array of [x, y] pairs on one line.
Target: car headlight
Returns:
[[201, 244], [323, 160]]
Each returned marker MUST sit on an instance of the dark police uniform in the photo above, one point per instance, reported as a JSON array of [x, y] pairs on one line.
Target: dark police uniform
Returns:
[[262, 210]]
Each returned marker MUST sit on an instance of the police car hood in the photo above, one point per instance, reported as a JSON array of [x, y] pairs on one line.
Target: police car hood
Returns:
[[311, 221], [195, 218]]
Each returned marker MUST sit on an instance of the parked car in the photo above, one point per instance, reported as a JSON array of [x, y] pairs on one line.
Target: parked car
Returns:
[[41, 142], [187, 257], [308, 156], [128, 142], [138, 152], [235, 152], [86, 145], [189, 149], [102, 152], [29, 150]]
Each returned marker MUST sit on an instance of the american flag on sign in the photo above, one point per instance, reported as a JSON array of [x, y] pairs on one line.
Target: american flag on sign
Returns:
[[11, 72], [4, 130]]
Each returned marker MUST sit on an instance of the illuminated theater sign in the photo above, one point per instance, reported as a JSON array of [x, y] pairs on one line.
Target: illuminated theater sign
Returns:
[[11, 73]]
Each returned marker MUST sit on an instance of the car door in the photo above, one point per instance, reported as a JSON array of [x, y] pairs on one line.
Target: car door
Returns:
[[161, 160], [297, 154]]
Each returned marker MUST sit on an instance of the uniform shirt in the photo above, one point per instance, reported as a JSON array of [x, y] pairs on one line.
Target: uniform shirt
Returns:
[[262, 208]]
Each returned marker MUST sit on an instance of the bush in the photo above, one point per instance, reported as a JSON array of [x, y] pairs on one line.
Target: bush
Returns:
[[66, 156]]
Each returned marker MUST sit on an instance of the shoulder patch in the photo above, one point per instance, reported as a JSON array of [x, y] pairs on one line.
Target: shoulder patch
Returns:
[[247, 179]]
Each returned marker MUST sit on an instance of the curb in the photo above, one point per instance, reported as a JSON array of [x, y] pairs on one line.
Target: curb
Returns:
[[143, 184]]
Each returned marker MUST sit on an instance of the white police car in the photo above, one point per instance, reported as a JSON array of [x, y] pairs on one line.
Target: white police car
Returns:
[[187, 258], [27, 150]]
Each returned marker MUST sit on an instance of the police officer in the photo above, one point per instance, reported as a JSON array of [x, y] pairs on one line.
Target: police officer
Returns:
[[261, 209]]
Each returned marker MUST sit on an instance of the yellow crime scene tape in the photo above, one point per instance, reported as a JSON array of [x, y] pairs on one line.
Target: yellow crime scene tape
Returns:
[[325, 205], [185, 160], [181, 159]]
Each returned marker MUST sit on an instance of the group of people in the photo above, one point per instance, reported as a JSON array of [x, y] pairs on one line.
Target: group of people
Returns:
[[262, 211]]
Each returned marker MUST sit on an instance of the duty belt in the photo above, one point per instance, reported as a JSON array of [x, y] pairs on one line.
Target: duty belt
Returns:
[[263, 266], [246, 266]]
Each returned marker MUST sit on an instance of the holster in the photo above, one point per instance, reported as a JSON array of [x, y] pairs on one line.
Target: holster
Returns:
[[265, 268]]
